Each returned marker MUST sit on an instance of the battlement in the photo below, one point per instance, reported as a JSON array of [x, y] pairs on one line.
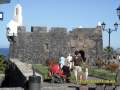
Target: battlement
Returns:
[[40, 29], [21, 29], [58, 29]]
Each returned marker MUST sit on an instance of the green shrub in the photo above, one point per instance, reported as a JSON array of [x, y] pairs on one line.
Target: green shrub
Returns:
[[2, 64]]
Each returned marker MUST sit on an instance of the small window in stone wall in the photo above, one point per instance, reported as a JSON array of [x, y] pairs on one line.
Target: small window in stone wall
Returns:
[[46, 46]]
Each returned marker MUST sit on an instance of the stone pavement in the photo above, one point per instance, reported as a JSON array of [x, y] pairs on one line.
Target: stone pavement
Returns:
[[65, 86]]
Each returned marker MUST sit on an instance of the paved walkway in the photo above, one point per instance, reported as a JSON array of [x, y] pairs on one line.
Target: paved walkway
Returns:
[[65, 86], [46, 84]]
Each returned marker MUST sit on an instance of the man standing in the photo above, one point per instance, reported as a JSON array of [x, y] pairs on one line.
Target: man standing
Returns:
[[77, 61]]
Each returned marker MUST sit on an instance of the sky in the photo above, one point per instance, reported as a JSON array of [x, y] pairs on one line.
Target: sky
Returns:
[[64, 13]]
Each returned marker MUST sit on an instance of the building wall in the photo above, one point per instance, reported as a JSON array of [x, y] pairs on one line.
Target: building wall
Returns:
[[40, 44]]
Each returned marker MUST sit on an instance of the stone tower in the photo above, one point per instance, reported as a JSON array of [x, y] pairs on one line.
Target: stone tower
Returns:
[[15, 21]]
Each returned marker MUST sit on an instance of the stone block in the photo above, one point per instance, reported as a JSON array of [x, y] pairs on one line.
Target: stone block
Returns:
[[117, 88], [19, 88], [100, 87], [38, 29], [109, 88], [83, 88]]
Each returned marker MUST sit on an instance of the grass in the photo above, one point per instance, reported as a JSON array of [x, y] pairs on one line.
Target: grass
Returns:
[[95, 72], [102, 73], [42, 69]]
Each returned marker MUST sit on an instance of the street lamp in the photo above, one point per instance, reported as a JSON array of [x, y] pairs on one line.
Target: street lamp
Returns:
[[109, 31], [118, 12], [118, 72]]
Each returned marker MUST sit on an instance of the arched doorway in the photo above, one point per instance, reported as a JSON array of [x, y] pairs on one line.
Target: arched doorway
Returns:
[[82, 52]]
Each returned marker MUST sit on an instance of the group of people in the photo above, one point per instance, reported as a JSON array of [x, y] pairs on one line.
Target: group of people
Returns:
[[74, 62], [71, 63]]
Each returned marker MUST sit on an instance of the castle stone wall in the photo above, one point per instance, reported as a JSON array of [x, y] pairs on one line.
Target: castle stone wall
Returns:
[[40, 44]]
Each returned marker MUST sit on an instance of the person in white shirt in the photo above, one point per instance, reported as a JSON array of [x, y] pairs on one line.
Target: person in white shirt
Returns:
[[69, 61]]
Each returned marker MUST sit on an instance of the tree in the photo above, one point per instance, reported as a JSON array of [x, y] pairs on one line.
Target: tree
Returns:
[[108, 50]]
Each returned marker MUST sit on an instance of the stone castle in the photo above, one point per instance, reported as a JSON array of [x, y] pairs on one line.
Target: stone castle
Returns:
[[40, 44]]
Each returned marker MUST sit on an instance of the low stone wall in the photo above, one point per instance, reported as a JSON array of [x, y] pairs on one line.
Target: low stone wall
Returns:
[[100, 87], [18, 88]]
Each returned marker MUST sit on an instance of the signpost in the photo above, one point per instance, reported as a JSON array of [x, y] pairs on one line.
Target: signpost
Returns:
[[4, 1], [1, 15]]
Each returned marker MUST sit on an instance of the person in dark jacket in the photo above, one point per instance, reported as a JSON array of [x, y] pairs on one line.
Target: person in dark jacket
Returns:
[[77, 59]]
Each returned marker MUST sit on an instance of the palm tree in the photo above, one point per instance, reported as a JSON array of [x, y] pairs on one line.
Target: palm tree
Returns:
[[108, 51]]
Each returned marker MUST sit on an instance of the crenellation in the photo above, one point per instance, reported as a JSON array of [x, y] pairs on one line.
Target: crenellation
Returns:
[[21, 29], [38, 29], [58, 30]]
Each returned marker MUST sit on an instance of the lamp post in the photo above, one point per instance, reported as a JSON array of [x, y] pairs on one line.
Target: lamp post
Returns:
[[118, 72], [118, 12], [109, 31]]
